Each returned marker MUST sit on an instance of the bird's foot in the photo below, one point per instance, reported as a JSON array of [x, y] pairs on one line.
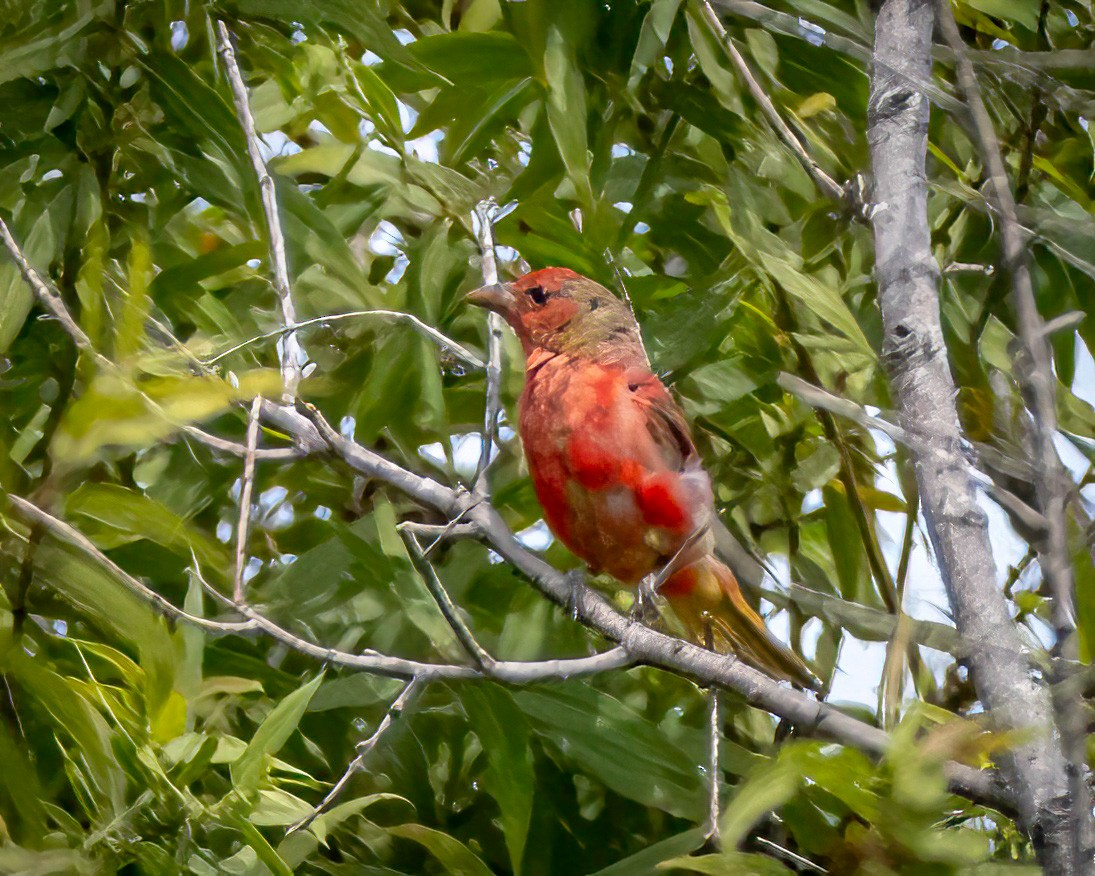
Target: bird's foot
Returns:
[[575, 605], [645, 609]]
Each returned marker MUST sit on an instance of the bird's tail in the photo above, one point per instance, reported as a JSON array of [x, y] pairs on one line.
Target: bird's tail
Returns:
[[706, 592]]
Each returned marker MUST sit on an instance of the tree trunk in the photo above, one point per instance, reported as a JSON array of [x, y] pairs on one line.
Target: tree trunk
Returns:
[[916, 358]]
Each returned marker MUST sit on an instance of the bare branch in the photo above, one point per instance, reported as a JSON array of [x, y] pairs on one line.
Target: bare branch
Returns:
[[448, 608], [291, 353], [48, 298], [817, 397], [439, 532], [825, 183], [485, 212], [640, 643], [368, 660], [400, 705], [446, 343], [714, 839], [1069, 846], [969, 268], [246, 487], [215, 442], [915, 353], [67, 533]]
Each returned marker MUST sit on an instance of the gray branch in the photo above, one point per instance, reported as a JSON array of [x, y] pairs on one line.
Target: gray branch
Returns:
[[485, 212], [446, 343], [246, 486], [641, 643], [828, 186], [67, 533], [291, 353], [510, 671], [1073, 842], [916, 357], [49, 298], [398, 706]]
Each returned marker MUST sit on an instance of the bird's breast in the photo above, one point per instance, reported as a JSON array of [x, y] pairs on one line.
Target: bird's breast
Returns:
[[607, 489]]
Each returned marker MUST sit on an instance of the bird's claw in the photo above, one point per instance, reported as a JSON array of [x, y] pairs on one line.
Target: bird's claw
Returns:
[[575, 605], [645, 610]]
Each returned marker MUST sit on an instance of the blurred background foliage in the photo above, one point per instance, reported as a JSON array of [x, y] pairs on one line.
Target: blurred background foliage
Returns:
[[130, 744]]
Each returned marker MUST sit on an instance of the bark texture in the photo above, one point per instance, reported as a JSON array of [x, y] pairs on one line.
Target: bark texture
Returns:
[[916, 358]]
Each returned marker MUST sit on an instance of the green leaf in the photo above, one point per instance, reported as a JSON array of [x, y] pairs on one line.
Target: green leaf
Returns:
[[766, 789], [817, 469], [275, 730], [726, 864], [362, 20], [509, 779], [113, 516], [652, 38], [454, 856], [608, 741], [566, 109], [16, 298], [263, 850], [326, 822], [646, 862]]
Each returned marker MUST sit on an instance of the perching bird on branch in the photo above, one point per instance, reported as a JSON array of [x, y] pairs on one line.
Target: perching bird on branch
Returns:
[[613, 462]]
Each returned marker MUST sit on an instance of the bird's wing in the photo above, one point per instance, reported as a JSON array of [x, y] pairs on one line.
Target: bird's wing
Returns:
[[664, 420]]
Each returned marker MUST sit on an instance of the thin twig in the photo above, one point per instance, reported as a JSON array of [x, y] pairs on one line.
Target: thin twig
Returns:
[[460, 352], [412, 689], [820, 398], [246, 487], [969, 268], [215, 442], [368, 660], [485, 212], [828, 186], [714, 840], [67, 533], [439, 532], [291, 353], [451, 613], [48, 298]]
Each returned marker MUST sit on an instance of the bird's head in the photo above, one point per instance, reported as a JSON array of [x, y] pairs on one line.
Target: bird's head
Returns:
[[560, 311]]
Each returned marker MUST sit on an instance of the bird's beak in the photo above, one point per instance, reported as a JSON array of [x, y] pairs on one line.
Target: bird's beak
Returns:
[[496, 297]]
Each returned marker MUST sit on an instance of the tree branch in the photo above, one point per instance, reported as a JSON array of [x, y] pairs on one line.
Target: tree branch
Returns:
[[246, 486], [916, 357], [1038, 371], [485, 212], [448, 608], [67, 533], [412, 689], [825, 183], [446, 343], [1051, 482], [641, 643], [290, 351], [49, 299]]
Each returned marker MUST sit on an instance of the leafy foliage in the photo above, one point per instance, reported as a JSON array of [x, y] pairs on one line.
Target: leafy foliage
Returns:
[[629, 146]]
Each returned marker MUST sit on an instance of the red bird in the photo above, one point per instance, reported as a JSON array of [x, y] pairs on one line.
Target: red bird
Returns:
[[613, 462]]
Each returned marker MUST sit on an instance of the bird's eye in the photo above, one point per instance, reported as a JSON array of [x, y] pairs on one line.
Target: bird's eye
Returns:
[[537, 294]]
